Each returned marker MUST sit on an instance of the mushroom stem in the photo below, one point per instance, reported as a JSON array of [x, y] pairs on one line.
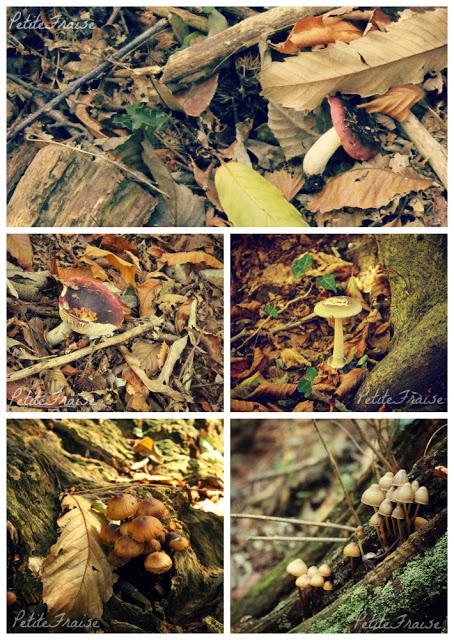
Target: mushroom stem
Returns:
[[302, 594], [352, 566], [321, 151], [407, 519], [337, 361], [58, 334], [401, 533]]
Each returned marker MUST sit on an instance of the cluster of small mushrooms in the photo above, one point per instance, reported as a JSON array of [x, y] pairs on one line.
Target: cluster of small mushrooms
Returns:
[[87, 307], [310, 580], [140, 527]]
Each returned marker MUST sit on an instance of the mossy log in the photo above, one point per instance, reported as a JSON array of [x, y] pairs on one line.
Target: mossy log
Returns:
[[64, 188], [412, 377], [272, 604], [49, 457]]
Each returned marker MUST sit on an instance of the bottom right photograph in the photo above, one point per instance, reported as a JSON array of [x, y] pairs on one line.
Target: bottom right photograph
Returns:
[[339, 526]]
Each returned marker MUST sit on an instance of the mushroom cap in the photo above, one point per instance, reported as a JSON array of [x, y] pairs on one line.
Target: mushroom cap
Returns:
[[390, 495], [404, 494], [398, 513], [356, 140], [89, 307], [158, 562], [376, 520], [422, 496], [124, 528], [296, 568], [420, 522], [400, 478], [328, 586], [121, 506], [317, 580], [109, 533], [176, 542], [360, 533], [338, 307], [415, 485], [151, 546], [386, 481], [352, 550], [145, 528], [153, 507], [385, 508], [312, 571], [115, 560], [302, 581], [126, 547], [324, 570], [372, 497]]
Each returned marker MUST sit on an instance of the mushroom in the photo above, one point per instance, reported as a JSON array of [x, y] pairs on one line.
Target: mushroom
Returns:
[[296, 568], [11, 598], [324, 570], [328, 586], [145, 528], [348, 131], [400, 478], [121, 507], [153, 507], [151, 547], [338, 307], [376, 521], [87, 307], [373, 497], [415, 485], [421, 498], [419, 522], [385, 510], [404, 496], [158, 562], [352, 551], [176, 542], [126, 547], [386, 481], [109, 533], [312, 571], [399, 515]]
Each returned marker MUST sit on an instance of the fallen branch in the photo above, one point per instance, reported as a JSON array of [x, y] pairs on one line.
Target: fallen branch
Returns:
[[427, 146], [59, 361], [295, 521], [91, 75], [296, 539], [204, 57], [197, 22]]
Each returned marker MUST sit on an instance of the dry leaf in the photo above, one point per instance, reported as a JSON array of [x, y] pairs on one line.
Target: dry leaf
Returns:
[[147, 292], [20, 247], [127, 270], [173, 356], [192, 257], [369, 66], [313, 31], [244, 405], [295, 131], [274, 390], [292, 358], [367, 188], [259, 361], [150, 356], [286, 182], [155, 386], [197, 98], [77, 579], [351, 381], [306, 405], [396, 102]]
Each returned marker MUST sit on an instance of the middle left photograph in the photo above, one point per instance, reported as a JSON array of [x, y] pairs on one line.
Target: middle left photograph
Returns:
[[118, 322]]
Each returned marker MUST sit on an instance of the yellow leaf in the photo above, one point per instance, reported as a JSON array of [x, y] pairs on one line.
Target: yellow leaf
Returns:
[[249, 200]]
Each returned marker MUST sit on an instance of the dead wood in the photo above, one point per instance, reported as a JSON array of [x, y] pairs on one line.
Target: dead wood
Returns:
[[427, 146]]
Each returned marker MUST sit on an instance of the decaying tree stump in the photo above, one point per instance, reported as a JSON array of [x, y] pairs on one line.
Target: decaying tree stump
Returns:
[[64, 188], [272, 604], [412, 377], [50, 457]]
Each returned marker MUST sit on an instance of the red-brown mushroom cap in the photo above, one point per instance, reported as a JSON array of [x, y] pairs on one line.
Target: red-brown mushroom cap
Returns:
[[145, 528], [89, 307], [121, 507], [356, 141], [153, 507]]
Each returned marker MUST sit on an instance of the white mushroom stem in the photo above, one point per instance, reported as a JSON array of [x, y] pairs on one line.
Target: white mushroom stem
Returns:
[[337, 361], [60, 333], [321, 151]]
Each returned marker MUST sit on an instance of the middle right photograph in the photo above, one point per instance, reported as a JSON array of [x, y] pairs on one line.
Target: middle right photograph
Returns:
[[338, 322]]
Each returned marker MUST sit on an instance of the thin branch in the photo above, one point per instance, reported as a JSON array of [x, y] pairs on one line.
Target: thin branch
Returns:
[[295, 521], [296, 539], [378, 454]]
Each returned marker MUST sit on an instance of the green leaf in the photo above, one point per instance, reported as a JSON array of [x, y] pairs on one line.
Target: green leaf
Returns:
[[216, 22], [189, 38], [327, 282], [362, 360], [271, 311], [301, 264], [249, 200], [140, 117], [305, 385]]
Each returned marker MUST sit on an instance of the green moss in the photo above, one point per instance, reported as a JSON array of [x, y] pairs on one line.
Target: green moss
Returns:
[[344, 615]]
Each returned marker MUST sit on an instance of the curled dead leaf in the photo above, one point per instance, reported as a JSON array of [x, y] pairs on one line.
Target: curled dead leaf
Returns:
[[273, 390], [317, 30], [20, 247], [244, 405], [351, 381], [192, 257], [396, 102]]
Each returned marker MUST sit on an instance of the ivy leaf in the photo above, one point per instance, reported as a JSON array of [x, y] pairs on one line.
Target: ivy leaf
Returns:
[[271, 311], [301, 264], [362, 360], [140, 117], [327, 282], [305, 385]]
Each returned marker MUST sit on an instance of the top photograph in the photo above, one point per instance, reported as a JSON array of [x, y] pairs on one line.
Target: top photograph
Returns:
[[227, 117]]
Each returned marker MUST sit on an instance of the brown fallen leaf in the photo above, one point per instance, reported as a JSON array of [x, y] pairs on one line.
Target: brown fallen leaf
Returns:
[[288, 183], [351, 381], [313, 31], [307, 405], [77, 579], [259, 361], [150, 355], [396, 102], [193, 257], [367, 188], [197, 98], [20, 247], [243, 405], [155, 386], [147, 292], [127, 269], [274, 390]]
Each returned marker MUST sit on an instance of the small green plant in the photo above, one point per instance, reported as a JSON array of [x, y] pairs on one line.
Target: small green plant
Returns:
[[138, 116], [271, 311], [327, 281], [305, 385], [301, 264]]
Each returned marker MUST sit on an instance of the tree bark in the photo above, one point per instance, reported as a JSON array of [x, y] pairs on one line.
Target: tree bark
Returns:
[[50, 457], [412, 377]]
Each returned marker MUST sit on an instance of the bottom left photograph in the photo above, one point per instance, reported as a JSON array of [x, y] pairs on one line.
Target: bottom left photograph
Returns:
[[115, 526]]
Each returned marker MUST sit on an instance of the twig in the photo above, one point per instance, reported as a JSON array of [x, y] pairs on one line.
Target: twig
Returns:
[[427, 146], [294, 468], [296, 539], [378, 454], [295, 521], [59, 361], [338, 474], [91, 75]]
